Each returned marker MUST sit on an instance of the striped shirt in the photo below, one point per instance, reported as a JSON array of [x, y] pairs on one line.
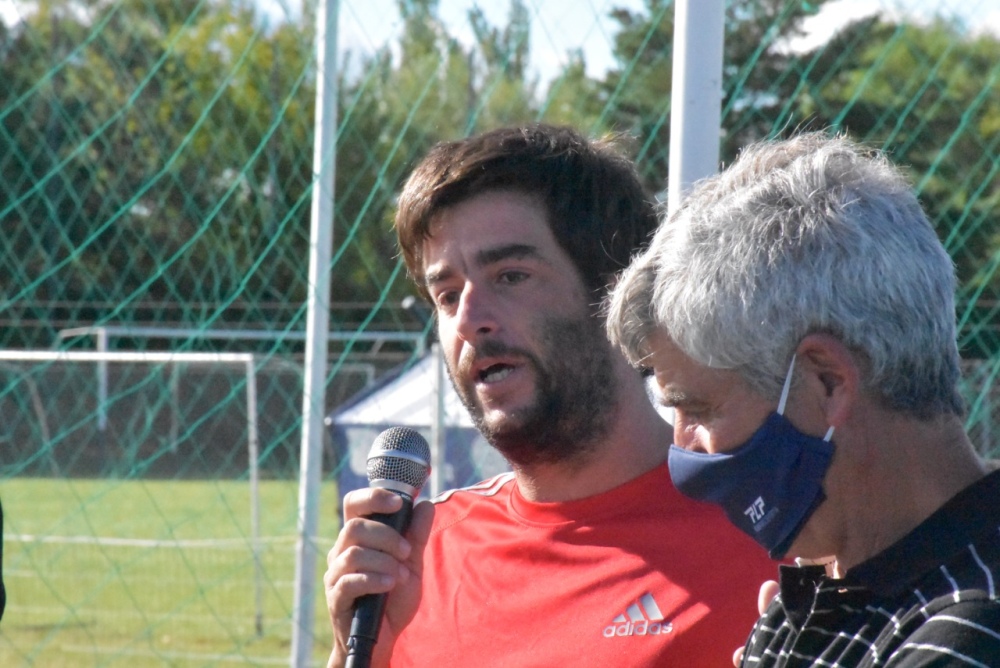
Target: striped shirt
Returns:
[[931, 599]]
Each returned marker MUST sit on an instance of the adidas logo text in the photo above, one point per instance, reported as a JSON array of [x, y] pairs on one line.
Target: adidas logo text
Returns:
[[642, 618]]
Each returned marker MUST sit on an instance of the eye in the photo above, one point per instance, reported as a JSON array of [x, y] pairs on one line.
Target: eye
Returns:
[[446, 299], [685, 412], [512, 276]]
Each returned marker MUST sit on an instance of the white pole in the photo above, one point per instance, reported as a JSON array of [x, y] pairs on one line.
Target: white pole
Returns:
[[253, 454], [175, 424], [102, 402], [317, 323], [438, 425], [696, 95], [102, 382]]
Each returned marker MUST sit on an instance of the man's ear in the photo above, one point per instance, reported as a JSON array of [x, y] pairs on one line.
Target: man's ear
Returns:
[[831, 371]]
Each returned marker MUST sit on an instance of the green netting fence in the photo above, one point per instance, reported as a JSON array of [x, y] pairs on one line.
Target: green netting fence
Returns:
[[155, 187]]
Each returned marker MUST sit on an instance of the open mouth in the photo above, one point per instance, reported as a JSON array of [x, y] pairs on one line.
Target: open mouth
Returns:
[[495, 373]]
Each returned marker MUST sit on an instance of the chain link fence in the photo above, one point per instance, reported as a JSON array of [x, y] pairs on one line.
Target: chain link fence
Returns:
[[155, 184]]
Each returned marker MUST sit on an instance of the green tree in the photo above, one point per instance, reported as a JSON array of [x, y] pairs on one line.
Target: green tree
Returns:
[[756, 76], [929, 94], [431, 88], [144, 170]]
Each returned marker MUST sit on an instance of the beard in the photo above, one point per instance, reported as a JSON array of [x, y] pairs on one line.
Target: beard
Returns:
[[575, 394]]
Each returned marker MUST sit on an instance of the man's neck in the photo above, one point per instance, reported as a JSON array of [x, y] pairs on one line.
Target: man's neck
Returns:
[[636, 442], [912, 469]]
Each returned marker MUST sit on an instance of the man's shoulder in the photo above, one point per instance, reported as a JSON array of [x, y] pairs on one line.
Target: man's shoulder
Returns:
[[464, 513], [968, 604], [975, 567], [490, 490], [962, 626]]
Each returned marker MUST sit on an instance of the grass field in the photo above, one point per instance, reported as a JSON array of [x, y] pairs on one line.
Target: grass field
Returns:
[[139, 573]]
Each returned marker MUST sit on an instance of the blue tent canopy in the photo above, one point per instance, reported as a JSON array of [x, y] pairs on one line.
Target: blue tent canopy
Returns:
[[407, 399]]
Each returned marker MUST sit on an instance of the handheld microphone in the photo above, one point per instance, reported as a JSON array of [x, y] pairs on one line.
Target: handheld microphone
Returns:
[[400, 462]]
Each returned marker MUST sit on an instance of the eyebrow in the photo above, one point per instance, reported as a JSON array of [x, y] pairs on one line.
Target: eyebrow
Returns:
[[489, 256], [486, 257]]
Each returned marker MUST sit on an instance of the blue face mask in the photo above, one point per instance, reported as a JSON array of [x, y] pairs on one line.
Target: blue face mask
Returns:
[[769, 486]]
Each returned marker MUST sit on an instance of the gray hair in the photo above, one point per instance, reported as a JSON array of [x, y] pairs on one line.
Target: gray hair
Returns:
[[811, 234]]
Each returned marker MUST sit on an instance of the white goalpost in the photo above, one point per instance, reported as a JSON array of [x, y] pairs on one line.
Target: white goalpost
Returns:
[[244, 360]]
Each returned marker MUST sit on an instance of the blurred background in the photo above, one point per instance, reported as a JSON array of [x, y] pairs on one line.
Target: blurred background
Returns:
[[156, 178]]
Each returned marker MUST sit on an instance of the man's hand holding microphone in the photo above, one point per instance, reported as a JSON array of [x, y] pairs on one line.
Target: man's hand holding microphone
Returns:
[[373, 574]]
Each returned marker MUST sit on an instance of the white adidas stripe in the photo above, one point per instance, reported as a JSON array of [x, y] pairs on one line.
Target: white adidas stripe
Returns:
[[488, 487]]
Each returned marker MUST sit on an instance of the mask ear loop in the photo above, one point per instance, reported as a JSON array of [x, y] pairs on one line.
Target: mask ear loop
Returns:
[[786, 388], [784, 398]]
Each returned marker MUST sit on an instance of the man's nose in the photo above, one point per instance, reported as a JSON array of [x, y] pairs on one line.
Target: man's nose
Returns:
[[476, 313]]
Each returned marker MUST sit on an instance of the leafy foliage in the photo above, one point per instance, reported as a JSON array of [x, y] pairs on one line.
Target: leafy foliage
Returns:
[[156, 157]]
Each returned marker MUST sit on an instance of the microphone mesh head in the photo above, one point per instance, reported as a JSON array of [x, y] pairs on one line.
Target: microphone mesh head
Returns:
[[400, 454]]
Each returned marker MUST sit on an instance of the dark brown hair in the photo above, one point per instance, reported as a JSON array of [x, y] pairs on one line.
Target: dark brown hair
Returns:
[[594, 202]]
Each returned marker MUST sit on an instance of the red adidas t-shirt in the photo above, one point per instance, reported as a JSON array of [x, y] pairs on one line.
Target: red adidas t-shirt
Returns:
[[637, 576]]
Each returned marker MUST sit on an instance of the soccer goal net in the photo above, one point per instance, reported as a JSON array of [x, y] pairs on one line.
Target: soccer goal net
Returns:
[[146, 470]]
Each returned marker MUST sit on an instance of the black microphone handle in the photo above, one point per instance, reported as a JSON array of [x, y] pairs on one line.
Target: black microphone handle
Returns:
[[369, 609]]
